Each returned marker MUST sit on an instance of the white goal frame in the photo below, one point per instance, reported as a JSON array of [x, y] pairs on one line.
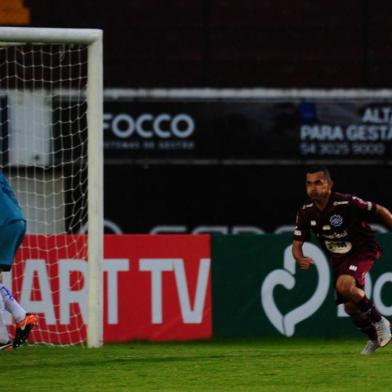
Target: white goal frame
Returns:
[[92, 38]]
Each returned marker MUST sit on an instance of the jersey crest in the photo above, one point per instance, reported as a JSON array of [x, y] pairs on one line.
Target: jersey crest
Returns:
[[336, 220]]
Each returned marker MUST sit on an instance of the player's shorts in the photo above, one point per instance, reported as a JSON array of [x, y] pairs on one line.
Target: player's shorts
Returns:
[[358, 268], [11, 236]]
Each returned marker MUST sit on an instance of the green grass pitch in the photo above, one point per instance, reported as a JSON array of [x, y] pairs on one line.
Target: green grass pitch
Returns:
[[245, 365]]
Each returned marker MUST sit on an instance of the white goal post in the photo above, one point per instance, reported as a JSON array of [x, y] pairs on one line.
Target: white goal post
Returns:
[[91, 39]]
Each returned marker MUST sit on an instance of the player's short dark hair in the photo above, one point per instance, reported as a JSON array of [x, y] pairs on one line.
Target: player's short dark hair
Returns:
[[315, 169]]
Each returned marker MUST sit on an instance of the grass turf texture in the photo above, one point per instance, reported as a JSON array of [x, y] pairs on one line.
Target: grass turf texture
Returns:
[[257, 365]]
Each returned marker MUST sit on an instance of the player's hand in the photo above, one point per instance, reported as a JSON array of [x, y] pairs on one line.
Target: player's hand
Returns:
[[305, 263]]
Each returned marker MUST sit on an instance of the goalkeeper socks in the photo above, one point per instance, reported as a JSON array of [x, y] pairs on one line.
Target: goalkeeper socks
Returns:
[[4, 337], [365, 305], [11, 305]]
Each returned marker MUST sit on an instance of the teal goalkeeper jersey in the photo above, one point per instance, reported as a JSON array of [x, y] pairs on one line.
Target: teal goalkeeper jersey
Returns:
[[9, 207]]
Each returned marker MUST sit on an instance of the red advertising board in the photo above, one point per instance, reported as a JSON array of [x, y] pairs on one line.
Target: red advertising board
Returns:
[[166, 293], [155, 287]]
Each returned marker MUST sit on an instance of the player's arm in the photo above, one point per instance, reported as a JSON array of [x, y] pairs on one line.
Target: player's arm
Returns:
[[303, 261], [367, 207], [384, 214]]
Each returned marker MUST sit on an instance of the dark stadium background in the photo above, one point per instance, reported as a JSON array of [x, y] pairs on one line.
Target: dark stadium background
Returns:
[[230, 44]]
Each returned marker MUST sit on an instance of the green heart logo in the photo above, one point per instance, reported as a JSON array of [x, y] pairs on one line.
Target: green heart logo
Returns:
[[285, 324]]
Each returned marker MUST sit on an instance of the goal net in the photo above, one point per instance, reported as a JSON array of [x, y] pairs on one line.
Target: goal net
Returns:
[[51, 151]]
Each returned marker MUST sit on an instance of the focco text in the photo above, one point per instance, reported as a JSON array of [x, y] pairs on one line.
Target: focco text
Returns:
[[148, 125]]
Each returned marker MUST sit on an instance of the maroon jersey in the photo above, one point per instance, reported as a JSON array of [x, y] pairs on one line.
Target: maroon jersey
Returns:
[[341, 227]]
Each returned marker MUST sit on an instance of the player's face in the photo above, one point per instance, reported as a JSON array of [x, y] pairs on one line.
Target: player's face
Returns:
[[318, 186]]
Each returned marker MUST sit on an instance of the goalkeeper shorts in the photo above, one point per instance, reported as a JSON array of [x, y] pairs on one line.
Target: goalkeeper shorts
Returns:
[[11, 236]]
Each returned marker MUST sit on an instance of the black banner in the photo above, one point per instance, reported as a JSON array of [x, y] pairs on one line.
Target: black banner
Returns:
[[236, 199], [258, 130]]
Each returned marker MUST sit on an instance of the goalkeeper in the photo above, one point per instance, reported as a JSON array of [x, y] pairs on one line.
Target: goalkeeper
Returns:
[[12, 231]]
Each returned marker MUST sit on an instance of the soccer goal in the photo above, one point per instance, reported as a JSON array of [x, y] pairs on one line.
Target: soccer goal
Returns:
[[51, 149]]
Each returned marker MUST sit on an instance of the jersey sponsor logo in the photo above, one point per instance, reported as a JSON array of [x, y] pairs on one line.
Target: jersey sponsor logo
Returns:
[[336, 220], [353, 267], [313, 223], [338, 203], [339, 247], [335, 236]]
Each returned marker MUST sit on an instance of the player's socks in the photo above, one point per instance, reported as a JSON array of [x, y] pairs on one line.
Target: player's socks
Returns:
[[365, 305], [366, 327], [381, 324], [11, 305]]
